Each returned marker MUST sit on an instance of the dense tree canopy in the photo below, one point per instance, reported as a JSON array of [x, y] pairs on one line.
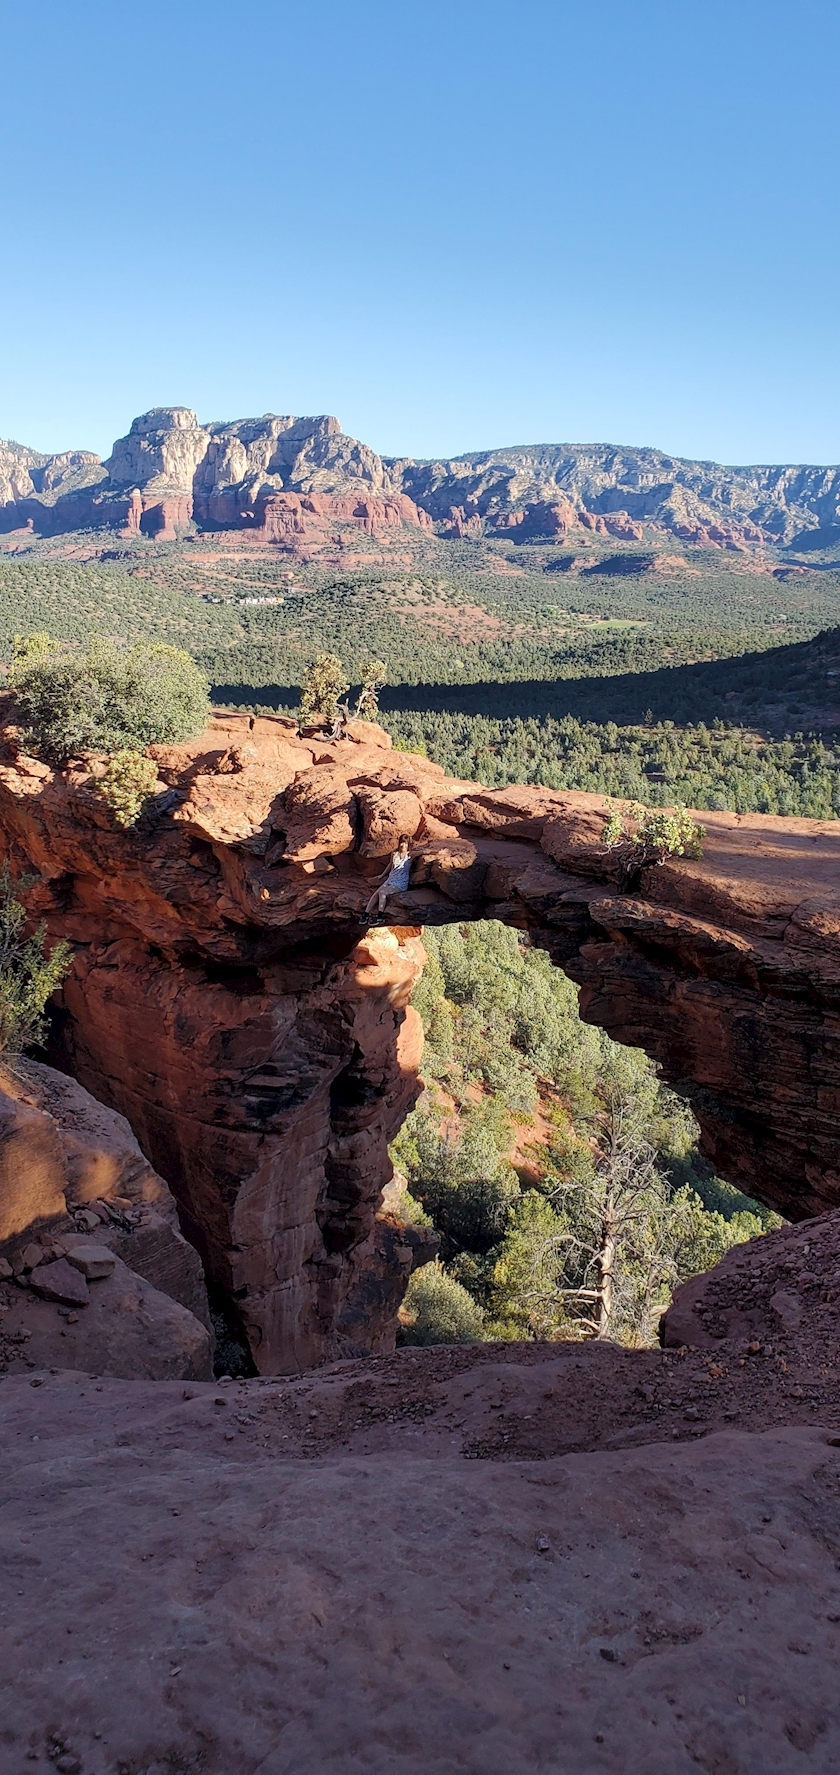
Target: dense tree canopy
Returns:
[[713, 767], [563, 1177]]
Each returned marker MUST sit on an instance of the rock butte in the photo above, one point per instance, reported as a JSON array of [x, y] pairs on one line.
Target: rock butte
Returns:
[[228, 998], [285, 475]]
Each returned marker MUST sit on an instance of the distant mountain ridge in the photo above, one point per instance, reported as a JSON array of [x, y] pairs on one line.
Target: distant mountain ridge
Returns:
[[170, 472], [752, 504]]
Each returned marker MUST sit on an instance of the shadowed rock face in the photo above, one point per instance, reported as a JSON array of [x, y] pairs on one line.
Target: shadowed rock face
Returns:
[[73, 1180], [229, 998]]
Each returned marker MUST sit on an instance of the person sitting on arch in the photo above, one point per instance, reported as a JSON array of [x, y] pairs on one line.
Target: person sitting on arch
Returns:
[[397, 879]]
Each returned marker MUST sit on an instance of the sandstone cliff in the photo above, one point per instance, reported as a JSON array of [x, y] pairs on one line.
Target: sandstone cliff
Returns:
[[170, 471], [229, 997], [550, 487]]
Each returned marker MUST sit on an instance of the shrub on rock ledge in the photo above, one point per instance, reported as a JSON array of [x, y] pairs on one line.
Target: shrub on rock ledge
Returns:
[[103, 698], [127, 784], [438, 1310], [644, 835]]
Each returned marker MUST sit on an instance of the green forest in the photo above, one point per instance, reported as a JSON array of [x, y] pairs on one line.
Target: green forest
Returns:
[[457, 625], [562, 1176], [713, 767]]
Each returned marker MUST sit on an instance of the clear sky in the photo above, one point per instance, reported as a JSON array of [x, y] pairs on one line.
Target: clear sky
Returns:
[[455, 224]]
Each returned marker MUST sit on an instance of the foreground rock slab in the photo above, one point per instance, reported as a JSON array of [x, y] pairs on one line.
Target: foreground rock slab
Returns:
[[183, 1595], [61, 1282], [121, 1327]]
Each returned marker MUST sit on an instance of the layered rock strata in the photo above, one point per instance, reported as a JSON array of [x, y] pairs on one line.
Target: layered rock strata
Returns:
[[283, 476], [170, 470], [546, 488], [230, 998]]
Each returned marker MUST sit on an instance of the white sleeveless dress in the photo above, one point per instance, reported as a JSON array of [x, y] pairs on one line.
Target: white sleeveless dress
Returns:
[[398, 876]]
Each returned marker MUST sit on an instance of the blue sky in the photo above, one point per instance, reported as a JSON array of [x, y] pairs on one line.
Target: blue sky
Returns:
[[454, 225]]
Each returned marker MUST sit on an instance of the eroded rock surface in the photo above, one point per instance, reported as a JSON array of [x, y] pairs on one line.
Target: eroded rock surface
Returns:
[[117, 1325], [282, 475], [130, 1301], [786, 1282], [229, 997], [309, 1575]]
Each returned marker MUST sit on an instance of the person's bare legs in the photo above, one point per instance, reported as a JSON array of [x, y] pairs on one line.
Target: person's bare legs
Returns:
[[380, 898]]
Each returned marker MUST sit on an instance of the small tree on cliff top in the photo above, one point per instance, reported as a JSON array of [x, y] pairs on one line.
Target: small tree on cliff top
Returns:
[[323, 687], [103, 698], [644, 835], [374, 676], [28, 975], [326, 683], [127, 784]]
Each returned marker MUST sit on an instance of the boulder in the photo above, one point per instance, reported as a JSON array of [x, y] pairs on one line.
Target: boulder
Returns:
[[69, 1165], [61, 1281], [387, 815], [117, 1325], [95, 1261], [317, 815], [784, 1282]]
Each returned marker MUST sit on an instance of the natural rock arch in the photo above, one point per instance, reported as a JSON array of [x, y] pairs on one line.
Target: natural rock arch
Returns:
[[228, 998]]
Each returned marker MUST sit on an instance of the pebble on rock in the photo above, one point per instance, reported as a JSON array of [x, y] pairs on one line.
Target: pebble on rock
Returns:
[[85, 1218], [95, 1261]]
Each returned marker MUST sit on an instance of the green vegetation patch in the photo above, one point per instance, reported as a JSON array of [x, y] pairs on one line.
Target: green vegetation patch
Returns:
[[716, 767], [563, 1177], [447, 621], [103, 698], [29, 973]]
